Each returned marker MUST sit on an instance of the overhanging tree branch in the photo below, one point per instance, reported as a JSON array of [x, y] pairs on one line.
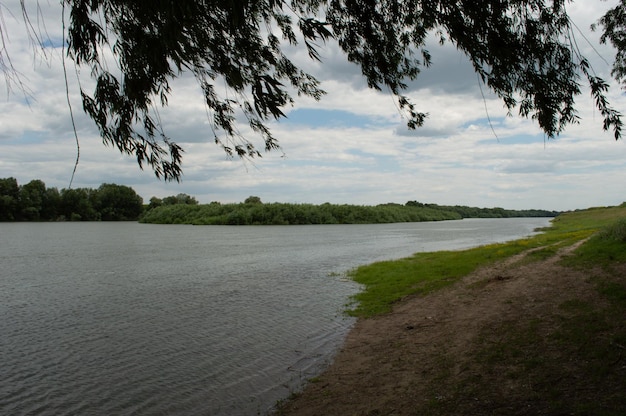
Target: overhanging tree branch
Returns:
[[521, 49]]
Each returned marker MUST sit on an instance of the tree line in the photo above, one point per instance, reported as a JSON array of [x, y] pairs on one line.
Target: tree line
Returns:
[[110, 202], [254, 212], [291, 214], [475, 212], [36, 202]]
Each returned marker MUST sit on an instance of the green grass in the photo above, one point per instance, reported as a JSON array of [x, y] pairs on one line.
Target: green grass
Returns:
[[604, 248], [385, 283], [389, 281]]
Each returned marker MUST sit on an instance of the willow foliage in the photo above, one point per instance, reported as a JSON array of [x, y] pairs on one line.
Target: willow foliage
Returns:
[[524, 50]]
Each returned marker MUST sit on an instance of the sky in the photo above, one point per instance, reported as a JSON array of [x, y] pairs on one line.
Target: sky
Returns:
[[352, 147]]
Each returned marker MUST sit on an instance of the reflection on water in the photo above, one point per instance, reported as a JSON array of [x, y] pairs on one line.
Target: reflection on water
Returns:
[[131, 319]]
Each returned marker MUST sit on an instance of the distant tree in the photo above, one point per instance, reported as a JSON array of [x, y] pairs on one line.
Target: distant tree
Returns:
[[180, 199], [186, 199], [252, 200], [35, 202], [170, 200], [78, 205], [118, 203], [9, 199], [51, 204], [155, 202], [523, 50], [31, 200]]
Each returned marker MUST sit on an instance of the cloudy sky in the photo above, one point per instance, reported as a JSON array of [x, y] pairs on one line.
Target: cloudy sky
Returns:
[[351, 147]]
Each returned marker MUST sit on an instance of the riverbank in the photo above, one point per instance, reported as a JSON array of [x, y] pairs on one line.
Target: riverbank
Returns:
[[542, 331]]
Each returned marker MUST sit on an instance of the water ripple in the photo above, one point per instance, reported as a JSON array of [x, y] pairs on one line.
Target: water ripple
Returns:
[[128, 319]]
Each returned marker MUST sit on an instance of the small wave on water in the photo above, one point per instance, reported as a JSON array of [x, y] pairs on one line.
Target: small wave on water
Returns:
[[161, 345], [141, 364], [130, 319]]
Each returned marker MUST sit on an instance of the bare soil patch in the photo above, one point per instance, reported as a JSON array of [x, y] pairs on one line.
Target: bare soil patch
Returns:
[[495, 343]]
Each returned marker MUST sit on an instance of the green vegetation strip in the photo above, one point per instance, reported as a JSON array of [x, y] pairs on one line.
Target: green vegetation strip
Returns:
[[292, 214], [254, 212], [385, 283]]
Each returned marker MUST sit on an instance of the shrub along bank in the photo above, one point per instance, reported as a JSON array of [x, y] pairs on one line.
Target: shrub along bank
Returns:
[[257, 213]]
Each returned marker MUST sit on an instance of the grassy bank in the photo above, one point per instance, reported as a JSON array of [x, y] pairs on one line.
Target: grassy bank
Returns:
[[564, 353], [540, 333], [389, 281]]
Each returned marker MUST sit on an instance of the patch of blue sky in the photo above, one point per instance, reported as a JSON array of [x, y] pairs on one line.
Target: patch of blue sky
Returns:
[[27, 137], [52, 42], [319, 118]]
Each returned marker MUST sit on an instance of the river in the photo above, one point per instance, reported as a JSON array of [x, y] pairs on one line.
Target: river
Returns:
[[139, 319]]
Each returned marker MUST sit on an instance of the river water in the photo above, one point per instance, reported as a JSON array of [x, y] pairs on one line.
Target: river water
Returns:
[[138, 319]]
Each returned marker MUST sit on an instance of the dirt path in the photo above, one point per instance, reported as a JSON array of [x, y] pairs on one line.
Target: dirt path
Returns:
[[421, 353]]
